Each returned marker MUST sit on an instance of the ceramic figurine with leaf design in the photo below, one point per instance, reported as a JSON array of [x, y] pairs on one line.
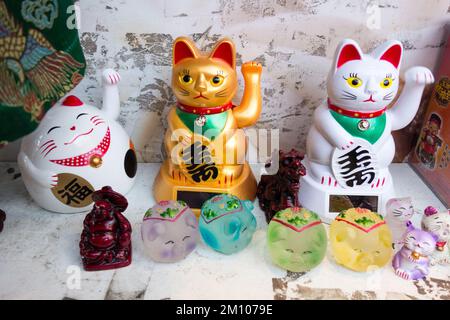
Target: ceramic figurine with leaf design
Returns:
[[227, 223], [412, 262], [296, 239], [204, 144], [350, 146], [438, 223], [106, 237], [169, 231], [77, 149], [361, 240]]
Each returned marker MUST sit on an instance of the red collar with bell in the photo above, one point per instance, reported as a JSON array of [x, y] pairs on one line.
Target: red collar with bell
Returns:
[[92, 158], [202, 111], [356, 114]]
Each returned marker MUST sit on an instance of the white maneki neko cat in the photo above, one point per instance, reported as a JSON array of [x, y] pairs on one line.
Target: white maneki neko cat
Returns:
[[77, 149], [360, 87], [350, 144]]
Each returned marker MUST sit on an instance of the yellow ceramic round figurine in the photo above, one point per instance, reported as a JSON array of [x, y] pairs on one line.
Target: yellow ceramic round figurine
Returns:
[[205, 148], [360, 240]]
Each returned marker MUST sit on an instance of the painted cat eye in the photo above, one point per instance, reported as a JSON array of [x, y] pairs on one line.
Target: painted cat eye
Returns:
[[386, 83], [354, 82], [186, 79], [169, 242], [216, 80], [81, 114]]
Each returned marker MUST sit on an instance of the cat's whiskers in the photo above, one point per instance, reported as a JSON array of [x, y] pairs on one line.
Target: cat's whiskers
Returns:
[[47, 142], [222, 93], [388, 96], [183, 91], [49, 146], [50, 150], [97, 121], [348, 95]]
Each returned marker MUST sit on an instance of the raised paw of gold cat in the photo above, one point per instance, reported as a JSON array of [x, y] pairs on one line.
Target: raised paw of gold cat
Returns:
[[251, 68]]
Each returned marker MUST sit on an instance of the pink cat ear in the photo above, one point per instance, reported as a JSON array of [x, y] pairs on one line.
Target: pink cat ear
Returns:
[[393, 53], [347, 51], [183, 48], [225, 51], [429, 211]]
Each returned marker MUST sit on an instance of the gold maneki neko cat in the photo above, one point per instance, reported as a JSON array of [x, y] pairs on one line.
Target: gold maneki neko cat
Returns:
[[205, 147]]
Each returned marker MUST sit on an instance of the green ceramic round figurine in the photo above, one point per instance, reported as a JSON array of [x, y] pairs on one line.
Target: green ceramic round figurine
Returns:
[[296, 239], [226, 223]]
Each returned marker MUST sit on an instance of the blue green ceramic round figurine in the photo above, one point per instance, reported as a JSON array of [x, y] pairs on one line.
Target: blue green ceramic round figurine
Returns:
[[296, 239], [227, 224]]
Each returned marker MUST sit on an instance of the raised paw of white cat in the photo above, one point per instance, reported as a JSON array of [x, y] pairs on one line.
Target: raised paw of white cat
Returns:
[[111, 76], [419, 75]]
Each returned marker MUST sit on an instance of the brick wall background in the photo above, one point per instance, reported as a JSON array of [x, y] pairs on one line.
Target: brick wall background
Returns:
[[295, 41]]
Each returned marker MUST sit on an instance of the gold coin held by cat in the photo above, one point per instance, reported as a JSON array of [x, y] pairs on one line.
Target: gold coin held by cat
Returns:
[[73, 190], [95, 161]]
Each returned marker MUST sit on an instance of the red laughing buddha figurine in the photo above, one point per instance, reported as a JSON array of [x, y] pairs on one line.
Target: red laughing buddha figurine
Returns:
[[106, 237]]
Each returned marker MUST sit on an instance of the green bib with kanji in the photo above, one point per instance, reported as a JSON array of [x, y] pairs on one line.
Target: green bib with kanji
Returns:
[[214, 125], [351, 125]]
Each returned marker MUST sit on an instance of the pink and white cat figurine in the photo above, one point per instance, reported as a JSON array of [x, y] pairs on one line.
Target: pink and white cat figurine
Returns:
[[77, 149], [399, 212], [439, 224], [355, 120]]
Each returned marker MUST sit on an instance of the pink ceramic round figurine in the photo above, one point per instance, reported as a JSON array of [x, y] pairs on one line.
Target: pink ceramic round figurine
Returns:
[[169, 231]]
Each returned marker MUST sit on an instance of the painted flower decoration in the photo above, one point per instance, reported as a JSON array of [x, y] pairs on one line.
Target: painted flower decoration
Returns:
[[232, 204], [297, 221], [365, 221], [209, 214], [169, 212], [148, 213]]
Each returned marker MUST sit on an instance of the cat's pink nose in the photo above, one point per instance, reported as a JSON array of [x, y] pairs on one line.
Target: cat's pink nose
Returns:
[[72, 128]]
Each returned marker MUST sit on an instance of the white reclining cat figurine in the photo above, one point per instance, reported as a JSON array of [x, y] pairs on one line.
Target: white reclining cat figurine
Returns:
[[77, 149], [360, 87]]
